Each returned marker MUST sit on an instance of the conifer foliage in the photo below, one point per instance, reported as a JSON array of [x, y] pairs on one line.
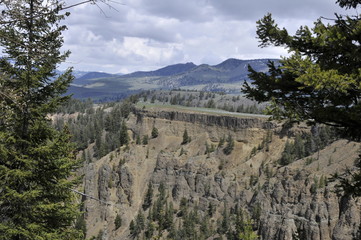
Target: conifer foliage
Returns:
[[320, 80], [36, 161]]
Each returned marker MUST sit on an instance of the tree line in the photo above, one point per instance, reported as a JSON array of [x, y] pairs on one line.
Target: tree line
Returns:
[[216, 100], [104, 125]]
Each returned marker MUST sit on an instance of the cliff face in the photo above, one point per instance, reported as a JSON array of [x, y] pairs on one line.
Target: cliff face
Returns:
[[292, 202], [228, 122]]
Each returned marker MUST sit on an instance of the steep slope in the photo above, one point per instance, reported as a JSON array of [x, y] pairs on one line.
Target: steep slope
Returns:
[[289, 202]]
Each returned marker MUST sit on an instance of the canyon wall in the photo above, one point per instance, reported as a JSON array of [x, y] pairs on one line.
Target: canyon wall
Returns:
[[296, 201]]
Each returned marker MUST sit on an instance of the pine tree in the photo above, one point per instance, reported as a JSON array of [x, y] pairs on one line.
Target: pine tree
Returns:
[[288, 154], [150, 230], [225, 224], [221, 142], [132, 228], [145, 139], [123, 136], [230, 145], [118, 221], [320, 80], [36, 161], [186, 138], [140, 223], [137, 141], [154, 132], [168, 217], [148, 197], [299, 147]]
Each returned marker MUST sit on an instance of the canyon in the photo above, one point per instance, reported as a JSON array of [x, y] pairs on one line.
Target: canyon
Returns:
[[295, 201]]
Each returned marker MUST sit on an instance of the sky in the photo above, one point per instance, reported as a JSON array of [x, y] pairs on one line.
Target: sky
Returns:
[[123, 36]]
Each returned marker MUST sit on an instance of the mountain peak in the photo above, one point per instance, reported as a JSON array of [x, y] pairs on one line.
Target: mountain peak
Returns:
[[175, 69], [91, 75], [165, 71], [230, 64]]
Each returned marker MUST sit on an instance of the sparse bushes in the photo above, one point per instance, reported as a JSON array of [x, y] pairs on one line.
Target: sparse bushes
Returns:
[[209, 149], [221, 142]]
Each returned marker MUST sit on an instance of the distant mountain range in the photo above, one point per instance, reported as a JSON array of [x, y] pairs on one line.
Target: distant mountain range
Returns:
[[227, 76]]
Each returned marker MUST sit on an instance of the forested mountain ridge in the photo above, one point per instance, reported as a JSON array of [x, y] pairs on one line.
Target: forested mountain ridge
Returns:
[[185, 174]]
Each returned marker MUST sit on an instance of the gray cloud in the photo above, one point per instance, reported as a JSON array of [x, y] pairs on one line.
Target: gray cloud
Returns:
[[252, 10], [194, 11], [148, 34]]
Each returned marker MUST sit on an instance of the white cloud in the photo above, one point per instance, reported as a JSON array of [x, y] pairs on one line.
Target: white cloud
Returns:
[[149, 34]]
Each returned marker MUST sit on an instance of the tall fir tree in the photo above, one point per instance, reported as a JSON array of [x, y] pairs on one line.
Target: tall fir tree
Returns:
[[148, 197], [123, 135], [36, 161]]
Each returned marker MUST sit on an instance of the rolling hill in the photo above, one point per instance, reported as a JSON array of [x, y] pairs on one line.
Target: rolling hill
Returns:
[[227, 76]]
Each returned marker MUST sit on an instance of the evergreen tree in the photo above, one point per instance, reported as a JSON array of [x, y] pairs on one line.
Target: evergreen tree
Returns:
[[162, 193], [230, 145], [186, 138], [183, 207], [137, 141], [287, 154], [168, 217], [154, 132], [118, 221], [132, 228], [205, 228], [140, 223], [149, 230], [182, 151], [36, 161], [145, 139], [350, 186], [211, 209], [225, 224], [320, 80], [148, 197], [299, 147], [221, 142], [123, 136]]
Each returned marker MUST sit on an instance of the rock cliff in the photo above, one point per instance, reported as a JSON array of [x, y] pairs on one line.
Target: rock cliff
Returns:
[[293, 202]]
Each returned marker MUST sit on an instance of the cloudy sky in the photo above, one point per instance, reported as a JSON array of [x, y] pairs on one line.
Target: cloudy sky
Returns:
[[131, 35]]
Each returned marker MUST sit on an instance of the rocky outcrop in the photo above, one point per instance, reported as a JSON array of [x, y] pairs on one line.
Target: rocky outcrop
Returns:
[[293, 208], [226, 121], [294, 202], [124, 188]]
